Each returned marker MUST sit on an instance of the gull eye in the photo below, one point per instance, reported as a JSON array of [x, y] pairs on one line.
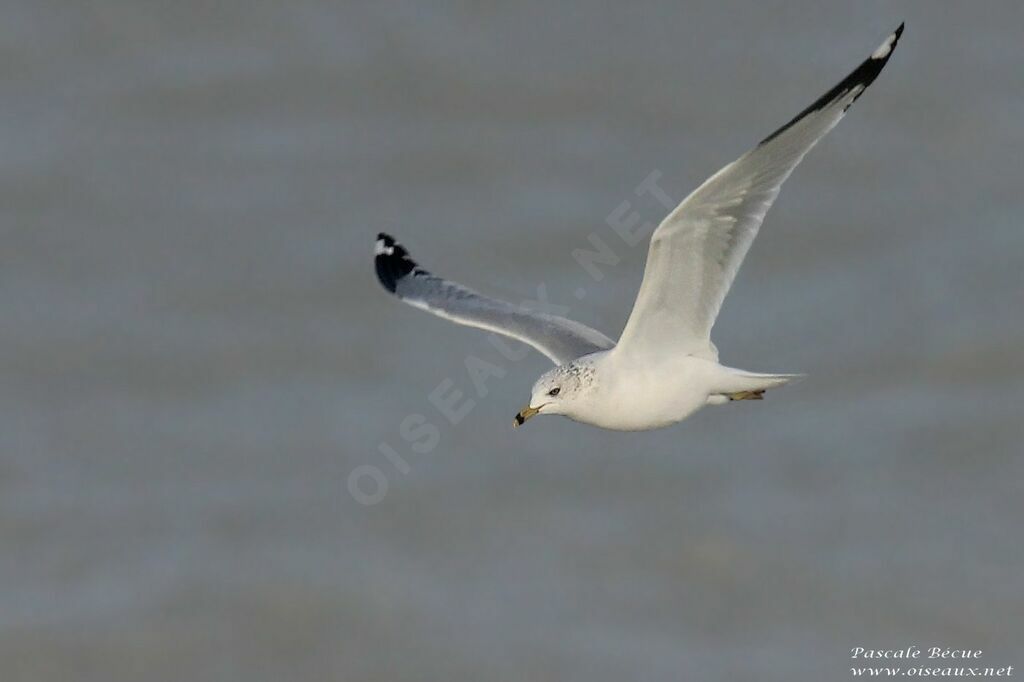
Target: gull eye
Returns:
[[555, 391]]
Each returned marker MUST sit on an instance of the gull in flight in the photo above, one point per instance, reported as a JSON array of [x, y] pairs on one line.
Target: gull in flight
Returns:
[[664, 366]]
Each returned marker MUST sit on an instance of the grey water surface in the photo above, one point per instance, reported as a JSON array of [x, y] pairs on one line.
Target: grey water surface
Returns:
[[197, 363]]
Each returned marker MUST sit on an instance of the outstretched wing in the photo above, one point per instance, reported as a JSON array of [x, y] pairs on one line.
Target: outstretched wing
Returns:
[[560, 339], [696, 251]]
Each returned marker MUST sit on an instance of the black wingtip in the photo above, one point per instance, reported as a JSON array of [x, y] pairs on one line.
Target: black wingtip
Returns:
[[863, 76], [391, 261], [884, 50]]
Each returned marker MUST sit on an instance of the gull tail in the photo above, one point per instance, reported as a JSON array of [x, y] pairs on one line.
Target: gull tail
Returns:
[[738, 384]]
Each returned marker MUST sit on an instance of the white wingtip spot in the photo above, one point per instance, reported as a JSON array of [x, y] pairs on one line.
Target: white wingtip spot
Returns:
[[884, 49], [380, 249]]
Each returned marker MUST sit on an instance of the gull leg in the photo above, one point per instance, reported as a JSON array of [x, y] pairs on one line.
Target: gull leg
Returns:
[[747, 395]]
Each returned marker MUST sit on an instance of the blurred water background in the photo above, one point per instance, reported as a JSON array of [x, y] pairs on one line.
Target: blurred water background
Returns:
[[195, 354]]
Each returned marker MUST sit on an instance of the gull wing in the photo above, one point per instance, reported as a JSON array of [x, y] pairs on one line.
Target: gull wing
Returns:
[[558, 338], [696, 251]]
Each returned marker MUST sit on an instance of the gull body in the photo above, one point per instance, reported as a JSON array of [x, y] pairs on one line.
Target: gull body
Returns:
[[595, 388], [664, 366]]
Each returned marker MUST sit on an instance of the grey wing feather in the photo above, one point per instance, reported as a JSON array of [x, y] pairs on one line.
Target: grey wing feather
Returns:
[[560, 339], [697, 250]]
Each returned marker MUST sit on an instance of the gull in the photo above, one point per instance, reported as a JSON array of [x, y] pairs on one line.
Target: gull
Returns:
[[664, 366]]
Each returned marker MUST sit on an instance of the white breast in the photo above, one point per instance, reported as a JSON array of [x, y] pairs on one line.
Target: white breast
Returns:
[[631, 397]]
